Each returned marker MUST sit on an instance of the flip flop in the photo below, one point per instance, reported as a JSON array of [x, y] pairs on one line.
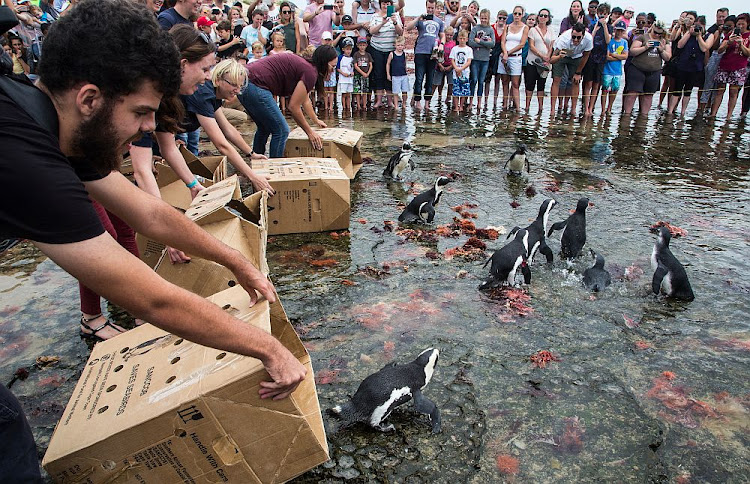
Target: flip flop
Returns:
[[92, 335]]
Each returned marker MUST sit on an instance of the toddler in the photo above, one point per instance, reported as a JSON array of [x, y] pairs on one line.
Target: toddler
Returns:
[[395, 68], [461, 57]]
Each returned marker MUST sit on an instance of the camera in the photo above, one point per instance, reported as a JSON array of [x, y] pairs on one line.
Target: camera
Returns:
[[726, 27], [697, 29], [215, 11], [327, 7]]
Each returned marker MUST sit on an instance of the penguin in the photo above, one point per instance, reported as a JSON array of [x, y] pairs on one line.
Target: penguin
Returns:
[[507, 260], [426, 212], [380, 393], [517, 161], [537, 230], [573, 234], [596, 278], [412, 211], [669, 275], [399, 161]]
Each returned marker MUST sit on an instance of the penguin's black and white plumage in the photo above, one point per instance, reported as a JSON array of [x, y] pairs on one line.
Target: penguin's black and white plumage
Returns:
[[393, 385], [399, 162], [596, 278], [518, 160], [426, 212], [507, 260], [412, 211], [573, 235], [669, 275], [537, 230]]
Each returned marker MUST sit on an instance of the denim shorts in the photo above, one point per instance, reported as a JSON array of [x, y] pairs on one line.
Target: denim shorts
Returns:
[[400, 84]]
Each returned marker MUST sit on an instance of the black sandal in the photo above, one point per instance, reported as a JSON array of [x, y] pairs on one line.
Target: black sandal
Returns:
[[92, 335]]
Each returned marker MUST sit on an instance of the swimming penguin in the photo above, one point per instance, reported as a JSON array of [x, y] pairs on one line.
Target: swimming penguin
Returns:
[[537, 230], [393, 385], [507, 260], [399, 162], [573, 231], [412, 211], [517, 161], [596, 277], [669, 275]]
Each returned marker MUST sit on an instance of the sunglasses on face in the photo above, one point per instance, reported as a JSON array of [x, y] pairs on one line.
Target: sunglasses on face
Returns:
[[543, 15], [286, 11], [576, 37], [517, 13]]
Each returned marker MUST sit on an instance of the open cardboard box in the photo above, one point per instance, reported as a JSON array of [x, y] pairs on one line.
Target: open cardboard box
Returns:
[[151, 407], [312, 195], [173, 190], [339, 143], [241, 225]]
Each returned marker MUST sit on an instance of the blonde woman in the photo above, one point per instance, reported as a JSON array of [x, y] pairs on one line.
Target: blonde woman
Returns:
[[510, 66]]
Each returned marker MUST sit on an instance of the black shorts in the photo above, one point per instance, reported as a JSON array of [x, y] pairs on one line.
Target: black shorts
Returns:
[[685, 81], [532, 79], [593, 72], [641, 82]]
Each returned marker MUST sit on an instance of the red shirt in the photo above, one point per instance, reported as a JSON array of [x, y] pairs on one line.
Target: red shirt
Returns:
[[281, 73], [733, 59]]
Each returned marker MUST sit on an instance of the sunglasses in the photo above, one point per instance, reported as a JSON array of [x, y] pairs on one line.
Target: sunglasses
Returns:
[[286, 11], [658, 32], [576, 37], [517, 13], [543, 15]]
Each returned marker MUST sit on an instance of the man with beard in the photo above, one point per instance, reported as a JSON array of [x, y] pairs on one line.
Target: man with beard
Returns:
[[102, 95]]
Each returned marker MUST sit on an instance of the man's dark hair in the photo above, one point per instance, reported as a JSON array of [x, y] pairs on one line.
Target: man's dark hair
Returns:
[[579, 27], [651, 16], [722, 9], [224, 25], [594, 2], [114, 44]]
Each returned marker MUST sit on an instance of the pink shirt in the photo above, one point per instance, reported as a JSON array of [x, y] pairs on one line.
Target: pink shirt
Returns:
[[322, 22]]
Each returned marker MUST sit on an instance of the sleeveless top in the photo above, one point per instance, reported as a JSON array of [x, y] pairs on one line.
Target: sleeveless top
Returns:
[[398, 64], [513, 40]]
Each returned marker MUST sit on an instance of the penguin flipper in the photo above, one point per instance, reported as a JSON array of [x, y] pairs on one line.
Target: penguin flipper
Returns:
[[426, 406], [407, 216], [557, 226], [526, 271], [544, 249], [659, 274], [528, 165]]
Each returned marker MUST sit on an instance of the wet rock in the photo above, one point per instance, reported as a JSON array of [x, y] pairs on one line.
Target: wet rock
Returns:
[[377, 454], [346, 461], [347, 474]]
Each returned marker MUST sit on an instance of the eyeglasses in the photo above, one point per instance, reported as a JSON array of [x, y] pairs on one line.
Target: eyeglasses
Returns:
[[576, 37], [235, 86]]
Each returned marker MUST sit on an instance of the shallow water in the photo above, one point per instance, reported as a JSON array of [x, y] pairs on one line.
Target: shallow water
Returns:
[[604, 410]]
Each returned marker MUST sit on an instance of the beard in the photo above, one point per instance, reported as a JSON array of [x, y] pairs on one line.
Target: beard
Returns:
[[96, 140]]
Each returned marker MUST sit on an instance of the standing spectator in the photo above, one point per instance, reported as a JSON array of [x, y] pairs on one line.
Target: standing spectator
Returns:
[[538, 61], [617, 52], [444, 70], [362, 71], [320, 19], [591, 18], [362, 13], [571, 53], [639, 29], [395, 68], [273, 14], [471, 12], [288, 27], [733, 65], [601, 33], [481, 40], [221, 5], [238, 22], [18, 54], [722, 27], [678, 27], [345, 69], [575, 15], [183, 12], [497, 52], [510, 66], [615, 15], [285, 75], [452, 10], [206, 25], [646, 54], [255, 32], [461, 60], [384, 31], [689, 65], [229, 46], [627, 15], [429, 44]]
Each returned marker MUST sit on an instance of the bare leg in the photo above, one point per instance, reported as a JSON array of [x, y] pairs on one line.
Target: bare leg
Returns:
[[516, 91], [529, 95], [540, 100], [554, 93], [628, 101], [645, 101], [734, 92], [685, 101], [718, 98], [574, 97]]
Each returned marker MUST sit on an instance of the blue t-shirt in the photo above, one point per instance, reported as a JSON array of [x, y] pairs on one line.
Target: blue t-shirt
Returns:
[[429, 30], [614, 68], [203, 101], [169, 18]]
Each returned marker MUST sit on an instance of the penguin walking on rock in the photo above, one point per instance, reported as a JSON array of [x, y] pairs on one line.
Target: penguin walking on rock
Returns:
[[669, 275], [380, 393], [507, 260], [399, 161], [596, 278], [518, 160], [537, 230], [573, 235], [413, 212]]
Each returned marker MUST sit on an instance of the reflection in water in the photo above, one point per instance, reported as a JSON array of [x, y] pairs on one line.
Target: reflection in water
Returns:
[[643, 389]]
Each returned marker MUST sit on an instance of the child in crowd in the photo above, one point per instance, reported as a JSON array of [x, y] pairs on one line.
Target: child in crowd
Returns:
[[329, 84], [278, 43], [345, 69], [617, 52], [395, 69], [229, 45], [362, 69], [444, 68], [258, 52], [461, 56]]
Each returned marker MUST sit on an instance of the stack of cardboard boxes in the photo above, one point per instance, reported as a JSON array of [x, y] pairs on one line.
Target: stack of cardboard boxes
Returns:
[[153, 408]]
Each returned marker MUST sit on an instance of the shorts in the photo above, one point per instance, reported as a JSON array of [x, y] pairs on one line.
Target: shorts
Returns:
[[346, 87], [400, 84], [593, 72], [330, 82], [641, 82], [532, 79], [514, 66], [610, 83], [438, 76], [685, 81], [567, 66], [461, 87], [733, 78], [361, 85]]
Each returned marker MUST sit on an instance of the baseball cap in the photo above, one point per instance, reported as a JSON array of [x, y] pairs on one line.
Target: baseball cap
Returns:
[[205, 22], [327, 36], [362, 40], [346, 18], [617, 10], [620, 25], [630, 8], [347, 42]]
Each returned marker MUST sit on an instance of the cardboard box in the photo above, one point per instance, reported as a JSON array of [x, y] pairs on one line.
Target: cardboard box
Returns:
[[342, 144], [173, 189], [241, 225], [312, 195], [153, 408]]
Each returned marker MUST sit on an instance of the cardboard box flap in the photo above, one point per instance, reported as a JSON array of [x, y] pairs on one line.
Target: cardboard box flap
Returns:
[[205, 166], [338, 143], [214, 198]]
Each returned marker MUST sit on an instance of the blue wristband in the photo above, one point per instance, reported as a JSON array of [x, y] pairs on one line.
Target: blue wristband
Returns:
[[192, 183]]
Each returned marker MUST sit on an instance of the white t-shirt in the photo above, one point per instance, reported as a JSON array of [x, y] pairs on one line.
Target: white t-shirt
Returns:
[[574, 51], [540, 43], [462, 55], [346, 64]]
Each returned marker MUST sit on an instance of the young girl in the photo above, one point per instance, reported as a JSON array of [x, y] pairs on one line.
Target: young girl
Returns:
[[461, 56], [330, 88], [257, 49], [444, 69], [395, 69], [278, 43]]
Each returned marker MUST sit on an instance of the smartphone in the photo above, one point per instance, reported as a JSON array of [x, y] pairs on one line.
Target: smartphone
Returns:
[[655, 43], [390, 10], [429, 16], [327, 7], [737, 31]]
